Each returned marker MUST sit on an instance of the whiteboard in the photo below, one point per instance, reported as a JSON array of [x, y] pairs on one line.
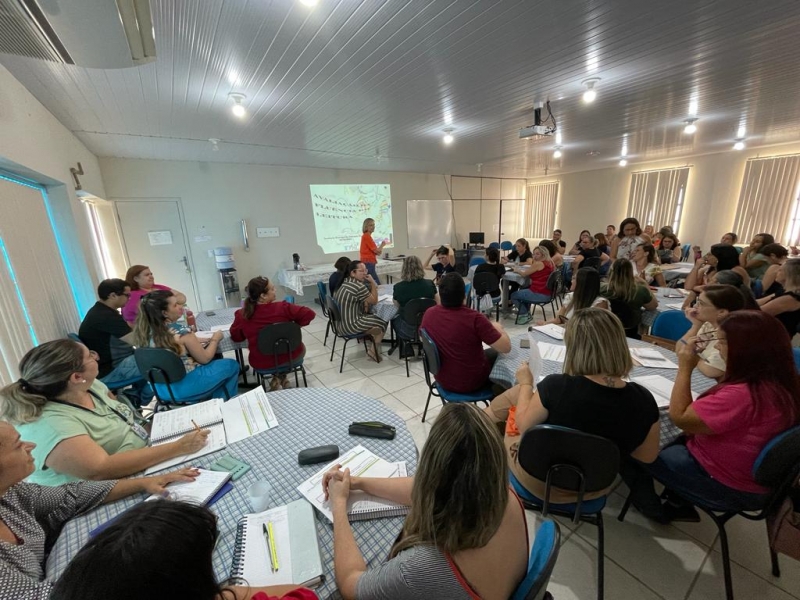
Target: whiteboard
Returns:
[[430, 223]]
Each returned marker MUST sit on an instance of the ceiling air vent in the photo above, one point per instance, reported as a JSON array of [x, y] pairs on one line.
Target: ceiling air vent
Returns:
[[102, 34]]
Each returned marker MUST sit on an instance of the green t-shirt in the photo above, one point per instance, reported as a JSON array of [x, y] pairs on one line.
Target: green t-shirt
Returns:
[[642, 296], [408, 290], [110, 424]]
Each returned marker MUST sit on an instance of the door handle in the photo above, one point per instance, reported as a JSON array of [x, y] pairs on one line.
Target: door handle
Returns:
[[185, 262]]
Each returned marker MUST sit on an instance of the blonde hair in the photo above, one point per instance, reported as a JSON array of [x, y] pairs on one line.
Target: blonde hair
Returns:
[[44, 374], [621, 284], [151, 324], [596, 344], [365, 225], [412, 269], [460, 488], [546, 253]]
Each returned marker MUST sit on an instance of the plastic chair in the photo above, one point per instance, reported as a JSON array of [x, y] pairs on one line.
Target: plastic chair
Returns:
[[506, 247], [335, 321], [476, 260], [553, 286], [758, 288], [322, 293], [495, 245], [278, 339], [75, 337], [432, 362], [670, 325], [467, 294], [796, 352], [159, 365], [412, 314], [575, 461], [685, 250], [541, 563], [485, 283], [777, 467]]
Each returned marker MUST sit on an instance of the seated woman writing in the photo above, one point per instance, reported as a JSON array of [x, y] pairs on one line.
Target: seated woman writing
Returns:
[[727, 426], [465, 535], [591, 396], [355, 296], [586, 294], [76, 427], [172, 542], [261, 309], [31, 517], [157, 326]]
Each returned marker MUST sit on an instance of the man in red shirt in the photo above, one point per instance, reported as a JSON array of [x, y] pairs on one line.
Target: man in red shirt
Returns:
[[459, 333]]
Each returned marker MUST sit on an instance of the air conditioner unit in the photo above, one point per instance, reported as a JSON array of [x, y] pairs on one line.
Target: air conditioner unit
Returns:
[[101, 34]]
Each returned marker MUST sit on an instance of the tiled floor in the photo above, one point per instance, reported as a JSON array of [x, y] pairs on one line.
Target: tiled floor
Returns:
[[643, 560]]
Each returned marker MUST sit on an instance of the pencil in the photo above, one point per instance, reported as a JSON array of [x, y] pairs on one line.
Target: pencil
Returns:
[[195, 425]]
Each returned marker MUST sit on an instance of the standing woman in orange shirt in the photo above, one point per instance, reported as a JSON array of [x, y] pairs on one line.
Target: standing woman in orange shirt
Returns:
[[369, 252]]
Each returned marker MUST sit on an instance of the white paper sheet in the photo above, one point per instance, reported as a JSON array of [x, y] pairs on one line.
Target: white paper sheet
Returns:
[[199, 491], [552, 352], [257, 566], [659, 386], [178, 421], [222, 328], [247, 415], [648, 357], [216, 441], [551, 329]]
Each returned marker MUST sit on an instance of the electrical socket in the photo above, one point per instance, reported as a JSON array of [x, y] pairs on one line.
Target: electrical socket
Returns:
[[219, 299]]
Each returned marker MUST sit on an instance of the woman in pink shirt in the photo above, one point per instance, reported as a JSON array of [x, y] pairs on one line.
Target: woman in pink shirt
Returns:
[[141, 280], [727, 427]]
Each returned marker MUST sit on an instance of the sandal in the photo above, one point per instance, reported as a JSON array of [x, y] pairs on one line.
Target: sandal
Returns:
[[371, 352]]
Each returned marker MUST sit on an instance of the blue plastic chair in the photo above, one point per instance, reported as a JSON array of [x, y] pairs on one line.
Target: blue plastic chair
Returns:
[[495, 245], [758, 288], [432, 362], [671, 325], [75, 337], [322, 292], [506, 247], [796, 352], [476, 260], [685, 250], [467, 293], [541, 563]]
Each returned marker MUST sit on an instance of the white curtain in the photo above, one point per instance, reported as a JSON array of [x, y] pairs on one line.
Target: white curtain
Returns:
[[657, 197], [36, 300], [768, 200], [540, 210]]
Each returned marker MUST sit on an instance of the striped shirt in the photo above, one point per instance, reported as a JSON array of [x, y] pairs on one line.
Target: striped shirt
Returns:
[[351, 295]]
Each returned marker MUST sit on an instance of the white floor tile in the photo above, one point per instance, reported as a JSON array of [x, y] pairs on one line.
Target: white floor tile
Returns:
[[364, 386], [710, 584], [414, 397], [400, 409], [394, 379], [332, 377], [368, 366]]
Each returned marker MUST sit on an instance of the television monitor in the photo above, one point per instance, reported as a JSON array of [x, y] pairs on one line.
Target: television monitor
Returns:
[[476, 237]]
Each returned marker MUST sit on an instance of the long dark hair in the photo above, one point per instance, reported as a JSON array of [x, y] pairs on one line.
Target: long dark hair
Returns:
[[587, 289], [628, 221], [255, 287], [760, 355], [727, 257], [155, 550]]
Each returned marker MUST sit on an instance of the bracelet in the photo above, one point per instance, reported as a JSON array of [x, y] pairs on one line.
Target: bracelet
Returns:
[[684, 341]]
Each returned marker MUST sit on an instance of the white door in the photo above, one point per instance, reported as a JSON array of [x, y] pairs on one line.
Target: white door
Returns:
[[513, 213], [152, 231]]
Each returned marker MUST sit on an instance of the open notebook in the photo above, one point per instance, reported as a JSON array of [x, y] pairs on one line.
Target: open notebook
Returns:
[[199, 491], [295, 544], [238, 418], [360, 506]]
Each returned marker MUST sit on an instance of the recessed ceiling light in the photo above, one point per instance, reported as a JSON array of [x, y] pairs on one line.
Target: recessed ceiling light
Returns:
[[448, 136], [557, 153], [623, 162], [238, 108], [739, 144], [590, 94], [309, 2], [690, 126]]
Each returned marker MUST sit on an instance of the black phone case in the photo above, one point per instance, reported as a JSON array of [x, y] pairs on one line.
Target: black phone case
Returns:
[[311, 456]]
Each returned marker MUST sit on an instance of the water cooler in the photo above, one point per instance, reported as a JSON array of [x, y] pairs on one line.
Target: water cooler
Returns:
[[229, 280]]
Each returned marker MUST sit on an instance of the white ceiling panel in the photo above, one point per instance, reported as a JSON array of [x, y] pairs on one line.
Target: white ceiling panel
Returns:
[[372, 84]]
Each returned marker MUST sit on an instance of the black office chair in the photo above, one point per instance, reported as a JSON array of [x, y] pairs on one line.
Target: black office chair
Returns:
[[575, 461], [281, 339], [553, 286], [322, 292], [159, 365], [593, 262], [335, 321], [411, 315], [777, 467], [486, 283]]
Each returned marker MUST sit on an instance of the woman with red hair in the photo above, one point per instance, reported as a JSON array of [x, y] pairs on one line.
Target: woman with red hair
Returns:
[[726, 428]]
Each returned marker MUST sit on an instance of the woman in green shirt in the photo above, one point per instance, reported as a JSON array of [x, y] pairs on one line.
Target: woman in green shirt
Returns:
[[413, 285], [627, 296], [80, 430]]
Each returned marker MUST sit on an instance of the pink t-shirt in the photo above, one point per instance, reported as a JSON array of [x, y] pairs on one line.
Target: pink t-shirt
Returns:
[[131, 308], [740, 433]]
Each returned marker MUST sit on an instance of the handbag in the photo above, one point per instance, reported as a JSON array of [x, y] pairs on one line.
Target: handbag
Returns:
[[485, 303]]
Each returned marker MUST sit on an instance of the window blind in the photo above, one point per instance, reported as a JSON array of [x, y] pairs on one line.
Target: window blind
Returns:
[[540, 209], [657, 197], [768, 200]]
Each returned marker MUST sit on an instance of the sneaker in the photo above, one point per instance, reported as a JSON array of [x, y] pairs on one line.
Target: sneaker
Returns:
[[523, 319]]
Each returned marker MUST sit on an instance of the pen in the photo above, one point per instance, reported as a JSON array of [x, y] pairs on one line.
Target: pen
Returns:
[[195, 425], [269, 536]]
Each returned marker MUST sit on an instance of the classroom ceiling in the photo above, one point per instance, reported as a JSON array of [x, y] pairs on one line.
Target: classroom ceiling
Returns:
[[372, 84]]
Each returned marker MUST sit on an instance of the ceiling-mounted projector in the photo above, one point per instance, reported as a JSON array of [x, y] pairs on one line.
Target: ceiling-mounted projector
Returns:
[[539, 127]]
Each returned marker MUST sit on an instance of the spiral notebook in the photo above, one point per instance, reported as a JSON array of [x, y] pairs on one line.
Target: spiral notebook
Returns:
[[295, 544], [200, 491], [360, 506]]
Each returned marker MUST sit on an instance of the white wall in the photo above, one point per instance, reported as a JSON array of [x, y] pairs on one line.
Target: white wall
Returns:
[[594, 199], [35, 145], [216, 196]]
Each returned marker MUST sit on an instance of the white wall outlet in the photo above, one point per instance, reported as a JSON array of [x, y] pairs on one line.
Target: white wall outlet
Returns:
[[210, 253], [219, 299], [263, 232]]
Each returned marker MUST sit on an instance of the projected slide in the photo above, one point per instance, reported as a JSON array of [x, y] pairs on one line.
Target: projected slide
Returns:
[[340, 210]]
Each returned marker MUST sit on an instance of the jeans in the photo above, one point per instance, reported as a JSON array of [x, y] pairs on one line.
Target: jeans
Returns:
[[371, 270], [204, 382], [677, 469], [122, 375], [523, 298]]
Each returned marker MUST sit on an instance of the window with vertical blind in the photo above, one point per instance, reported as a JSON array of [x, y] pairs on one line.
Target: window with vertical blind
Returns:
[[769, 201], [540, 209], [657, 197], [36, 300]]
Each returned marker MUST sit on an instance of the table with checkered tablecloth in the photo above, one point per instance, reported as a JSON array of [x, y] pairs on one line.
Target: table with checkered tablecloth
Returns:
[[216, 318], [307, 417], [668, 299], [297, 280], [506, 365]]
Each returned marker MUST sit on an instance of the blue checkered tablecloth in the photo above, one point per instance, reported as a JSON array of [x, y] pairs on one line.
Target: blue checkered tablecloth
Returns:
[[506, 366], [307, 417], [665, 296], [221, 316], [385, 309]]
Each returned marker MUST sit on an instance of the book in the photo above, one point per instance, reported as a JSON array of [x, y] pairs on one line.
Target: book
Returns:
[[297, 554], [659, 386], [200, 491], [360, 506], [238, 418]]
